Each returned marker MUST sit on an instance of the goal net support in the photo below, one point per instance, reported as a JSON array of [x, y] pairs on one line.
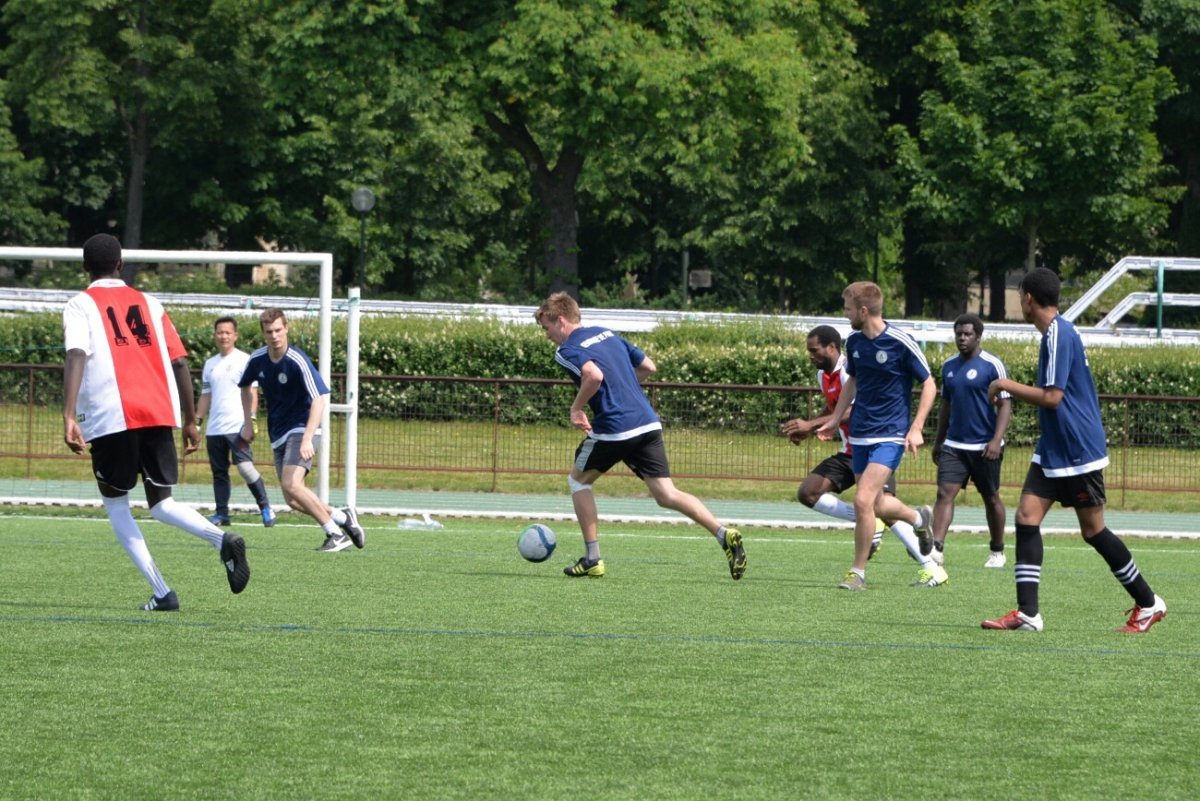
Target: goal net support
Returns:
[[324, 262]]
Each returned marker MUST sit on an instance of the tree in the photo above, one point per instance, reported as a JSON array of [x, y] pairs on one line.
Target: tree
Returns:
[[107, 86], [1040, 128], [22, 193]]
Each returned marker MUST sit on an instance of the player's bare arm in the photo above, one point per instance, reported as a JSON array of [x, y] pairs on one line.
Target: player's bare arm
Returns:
[[1046, 397], [248, 408], [310, 427], [646, 369], [1003, 414], [187, 405], [916, 438], [72, 380], [590, 378]]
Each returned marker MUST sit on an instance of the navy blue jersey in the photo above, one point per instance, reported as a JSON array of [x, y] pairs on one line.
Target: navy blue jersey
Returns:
[[965, 387], [1072, 440], [289, 386], [620, 409], [884, 369]]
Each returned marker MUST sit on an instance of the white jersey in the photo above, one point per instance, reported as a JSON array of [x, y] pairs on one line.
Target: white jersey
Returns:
[[220, 382], [130, 342]]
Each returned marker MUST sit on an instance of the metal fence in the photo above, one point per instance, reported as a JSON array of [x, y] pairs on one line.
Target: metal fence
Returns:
[[512, 434]]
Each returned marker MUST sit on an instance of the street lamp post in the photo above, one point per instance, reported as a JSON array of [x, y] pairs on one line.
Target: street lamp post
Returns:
[[363, 200]]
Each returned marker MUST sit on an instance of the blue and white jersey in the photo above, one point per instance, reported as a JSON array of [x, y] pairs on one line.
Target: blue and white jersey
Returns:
[[1072, 440], [289, 386], [884, 369], [965, 387], [620, 409]]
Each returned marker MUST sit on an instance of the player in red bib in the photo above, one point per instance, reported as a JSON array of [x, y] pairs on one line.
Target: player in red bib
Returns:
[[126, 387]]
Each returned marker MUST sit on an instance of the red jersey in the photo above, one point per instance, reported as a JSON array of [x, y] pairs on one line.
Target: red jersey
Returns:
[[831, 387], [130, 342]]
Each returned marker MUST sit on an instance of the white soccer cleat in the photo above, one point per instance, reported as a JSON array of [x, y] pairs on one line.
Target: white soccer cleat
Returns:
[[996, 559]]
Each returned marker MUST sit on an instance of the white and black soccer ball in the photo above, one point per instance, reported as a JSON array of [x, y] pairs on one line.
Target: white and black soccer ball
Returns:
[[536, 543]]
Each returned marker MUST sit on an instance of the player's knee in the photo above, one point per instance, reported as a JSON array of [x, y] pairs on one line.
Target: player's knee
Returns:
[[806, 496], [577, 486]]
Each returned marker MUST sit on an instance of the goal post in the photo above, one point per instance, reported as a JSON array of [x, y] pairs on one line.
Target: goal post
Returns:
[[323, 261]]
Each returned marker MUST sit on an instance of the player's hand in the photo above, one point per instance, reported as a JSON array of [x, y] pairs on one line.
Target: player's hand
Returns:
[[826, 431], [913, 441], [796, 430], [579, 419], [73, 435], [994, 390], [248, 432], [306, 448], [993, 450], [191, 438]]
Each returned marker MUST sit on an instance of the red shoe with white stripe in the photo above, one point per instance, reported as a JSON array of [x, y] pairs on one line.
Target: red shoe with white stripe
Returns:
[[1140, 620]]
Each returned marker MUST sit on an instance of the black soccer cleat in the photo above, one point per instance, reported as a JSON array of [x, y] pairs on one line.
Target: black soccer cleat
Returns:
[[167, 603], [233, 556]]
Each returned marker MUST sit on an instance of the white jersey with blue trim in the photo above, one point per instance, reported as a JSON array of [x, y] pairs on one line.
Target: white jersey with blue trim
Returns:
[[1072, 440], [620, 409], [884, 369], [965, 387]]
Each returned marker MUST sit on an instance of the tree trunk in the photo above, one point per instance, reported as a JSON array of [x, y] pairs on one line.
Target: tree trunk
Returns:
[[998, 283], [137, 132], [560, 228], [555, 189], [1031, 245]]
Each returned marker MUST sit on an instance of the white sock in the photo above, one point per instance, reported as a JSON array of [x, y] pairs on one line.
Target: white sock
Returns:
[[338, 516], [331, 529], [827, 504], [130, 536], [187, 519], [904, 532]]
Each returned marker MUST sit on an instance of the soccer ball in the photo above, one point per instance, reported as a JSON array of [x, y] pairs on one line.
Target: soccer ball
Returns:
[[536, 543]]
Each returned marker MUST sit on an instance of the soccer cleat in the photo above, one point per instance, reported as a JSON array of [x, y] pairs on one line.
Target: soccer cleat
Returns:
[[167, 603], [583, 567], [877, 540], [853, 581], [996, 559], [938, 554], [233, 556], [934, 576], [334, 543], [735, 553], [353, 530], [219, 520], [1141, 619], [924, 529], [1016, 620], [268, 516]]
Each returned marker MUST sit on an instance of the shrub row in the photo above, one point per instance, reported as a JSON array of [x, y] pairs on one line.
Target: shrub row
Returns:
[[691, 353]]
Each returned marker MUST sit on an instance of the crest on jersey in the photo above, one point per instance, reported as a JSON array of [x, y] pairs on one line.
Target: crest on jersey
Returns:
[[881, 356], [971, 374], [283, 378]]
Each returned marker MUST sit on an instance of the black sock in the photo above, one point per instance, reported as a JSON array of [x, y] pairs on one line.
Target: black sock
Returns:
[[1028, 569], [1120, 562], [259, 491]]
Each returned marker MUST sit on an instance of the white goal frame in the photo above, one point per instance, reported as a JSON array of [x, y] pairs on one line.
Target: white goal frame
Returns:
[[324, 261]]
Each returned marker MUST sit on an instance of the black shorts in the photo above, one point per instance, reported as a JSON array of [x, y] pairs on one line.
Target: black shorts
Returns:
[[957, 466], [118, 459], [839, 470], [1080, 491], [645, 455]]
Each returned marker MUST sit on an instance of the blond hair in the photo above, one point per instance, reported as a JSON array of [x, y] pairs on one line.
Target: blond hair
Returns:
[[865, 293], [560, 304]]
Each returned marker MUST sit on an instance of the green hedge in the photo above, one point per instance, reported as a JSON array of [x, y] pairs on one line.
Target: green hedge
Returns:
[[758, 354]]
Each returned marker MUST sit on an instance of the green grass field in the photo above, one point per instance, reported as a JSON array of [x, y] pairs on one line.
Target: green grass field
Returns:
[[440, 665]]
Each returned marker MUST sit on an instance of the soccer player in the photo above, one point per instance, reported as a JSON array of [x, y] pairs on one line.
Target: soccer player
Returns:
[[221, 406], [126, 387], [835, 474], [969, 445], [1068, 463], [296, 396], [608, 370], [882, 364]]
